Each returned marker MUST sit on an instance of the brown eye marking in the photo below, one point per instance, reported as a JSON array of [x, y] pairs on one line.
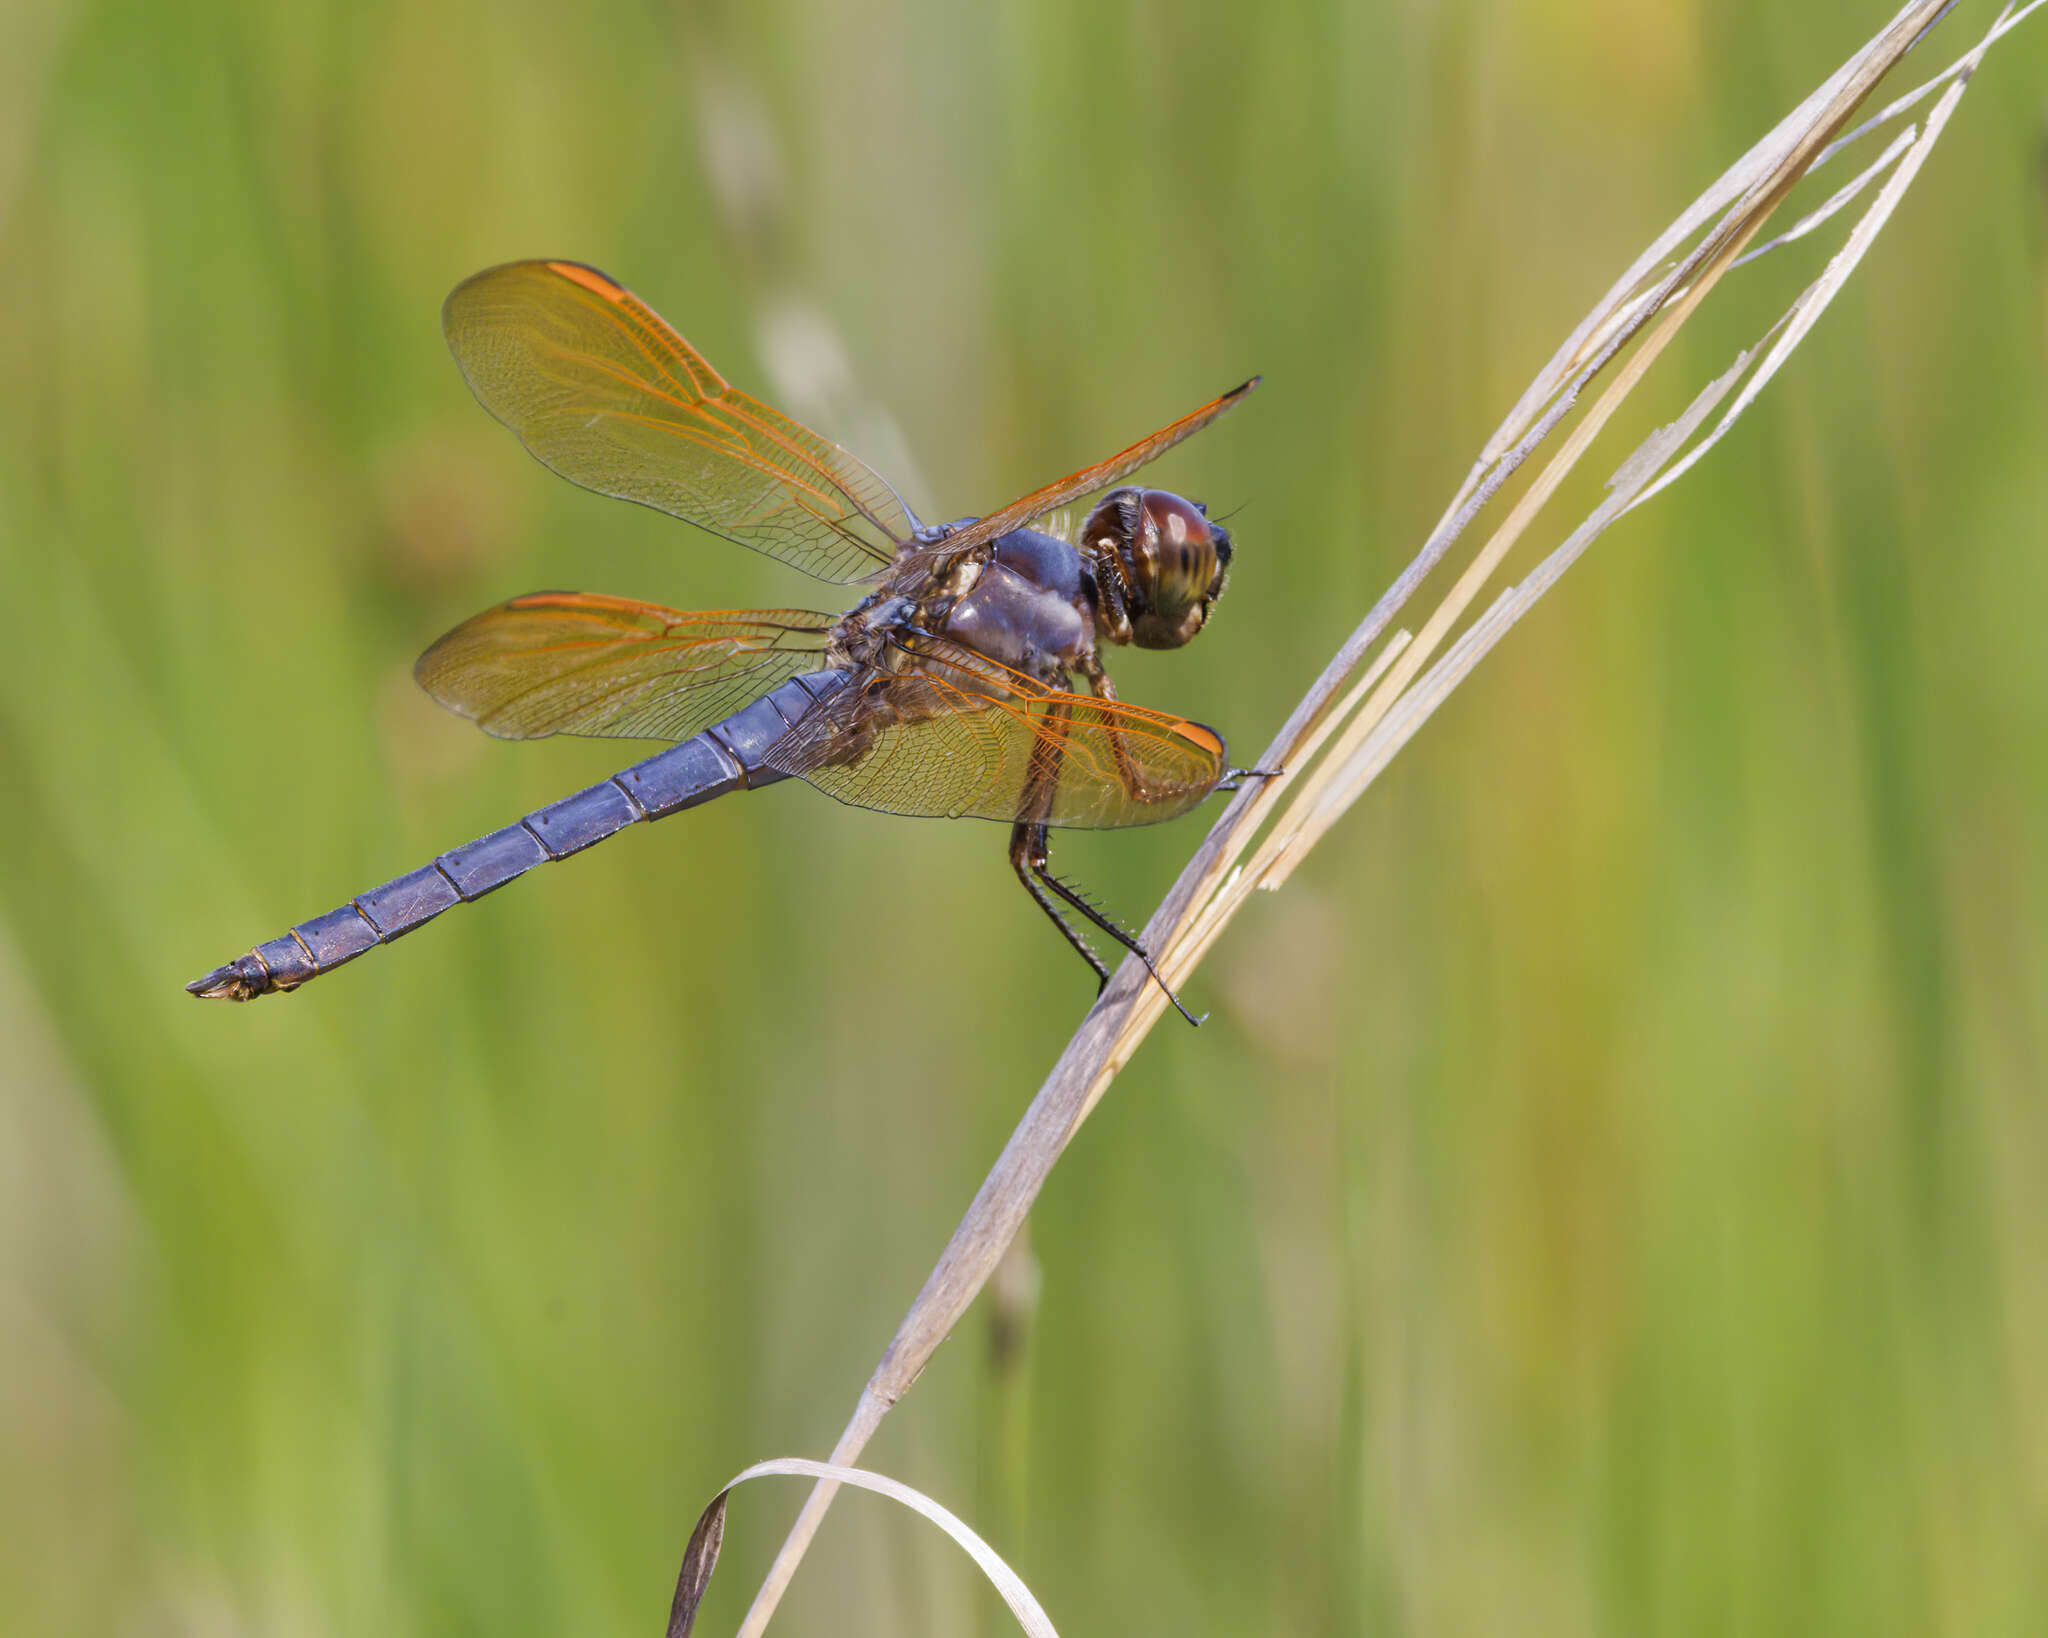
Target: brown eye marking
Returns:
[[1187, 558]]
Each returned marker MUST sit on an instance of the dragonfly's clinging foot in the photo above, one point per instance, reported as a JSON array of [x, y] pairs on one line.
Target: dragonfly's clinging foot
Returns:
[[1163, 989], [1235, 777]]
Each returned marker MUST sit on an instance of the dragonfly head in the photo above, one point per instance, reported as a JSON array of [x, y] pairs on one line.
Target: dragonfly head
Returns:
[[1172, 561]]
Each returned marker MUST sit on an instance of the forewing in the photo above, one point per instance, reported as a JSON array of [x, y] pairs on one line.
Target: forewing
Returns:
[[600, 389], [955, 736], [1091, 480], [582, 663]]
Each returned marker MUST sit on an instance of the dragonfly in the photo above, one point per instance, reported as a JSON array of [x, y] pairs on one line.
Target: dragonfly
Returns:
[[947, 690]]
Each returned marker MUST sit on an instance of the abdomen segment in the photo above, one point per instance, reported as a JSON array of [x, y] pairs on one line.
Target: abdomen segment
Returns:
[[724, 758]]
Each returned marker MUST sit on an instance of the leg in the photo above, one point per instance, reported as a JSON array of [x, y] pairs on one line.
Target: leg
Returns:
[[1030, 853], [1103, 689]]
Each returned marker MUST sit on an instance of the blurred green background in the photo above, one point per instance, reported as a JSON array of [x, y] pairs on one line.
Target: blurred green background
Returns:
[[1612, 1193]]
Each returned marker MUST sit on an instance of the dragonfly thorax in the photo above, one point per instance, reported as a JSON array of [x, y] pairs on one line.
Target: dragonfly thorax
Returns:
[[1029, 609]]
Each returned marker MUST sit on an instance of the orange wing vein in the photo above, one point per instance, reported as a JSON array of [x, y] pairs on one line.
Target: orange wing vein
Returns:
[[582, 663], [602, 391], [958, 736], [1090, 480]]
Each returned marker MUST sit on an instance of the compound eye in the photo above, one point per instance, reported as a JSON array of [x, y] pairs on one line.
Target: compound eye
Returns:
[[1176, 570], [1182, 549]]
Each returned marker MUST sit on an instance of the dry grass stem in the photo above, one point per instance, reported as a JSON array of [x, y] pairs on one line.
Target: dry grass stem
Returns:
[[1360, 712]]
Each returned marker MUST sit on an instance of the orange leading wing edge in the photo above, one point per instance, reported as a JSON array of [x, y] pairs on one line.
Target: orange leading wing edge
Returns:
[[705, 381], [1091, 479]]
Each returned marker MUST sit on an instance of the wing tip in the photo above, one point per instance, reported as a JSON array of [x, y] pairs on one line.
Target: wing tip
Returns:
[[593, 279]]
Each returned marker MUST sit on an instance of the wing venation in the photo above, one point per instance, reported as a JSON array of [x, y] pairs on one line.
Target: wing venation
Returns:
[[956, 736], [601, 390], [584, 663]]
